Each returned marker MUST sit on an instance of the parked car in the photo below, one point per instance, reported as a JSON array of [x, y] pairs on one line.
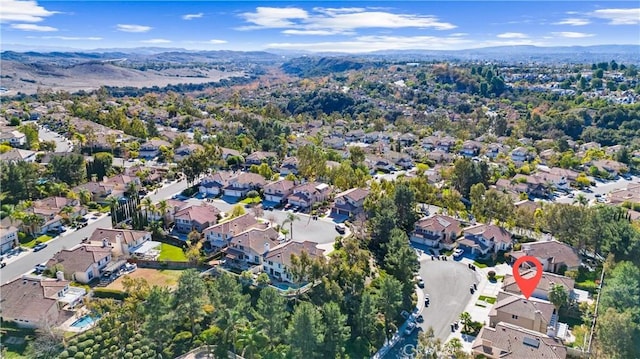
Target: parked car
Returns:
[[420, 319], [3, 264], [419, 281], [410, 328], [427, 301], [40, 268], [40, 246], [458, 252], [341, 228]]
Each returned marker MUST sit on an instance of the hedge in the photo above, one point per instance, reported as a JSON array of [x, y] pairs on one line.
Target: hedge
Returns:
[[109, 293]]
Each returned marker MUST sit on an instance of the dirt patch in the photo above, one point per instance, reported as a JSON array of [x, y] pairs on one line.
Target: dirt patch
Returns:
[[160, 277]]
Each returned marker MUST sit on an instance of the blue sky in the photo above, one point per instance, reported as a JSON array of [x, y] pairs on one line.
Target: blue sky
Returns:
[[357, 26]]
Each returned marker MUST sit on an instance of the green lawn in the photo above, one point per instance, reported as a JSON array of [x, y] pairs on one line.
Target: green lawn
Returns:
[[31, 242], [490, 300], [170, 252]]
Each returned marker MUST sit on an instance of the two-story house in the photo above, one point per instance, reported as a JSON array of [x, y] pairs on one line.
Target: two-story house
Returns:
[[446, 143], [220, 234], [508, 341], [184, 151], [8, 238], [122, 241], [240, 185], [35, 302], [17, 155], [278, 191], [532, 314], [483, 239], [289, 165], [544, 286], [553, 255], [277, 262], [306, 194], [259, 157], [437, 231], [248, 248], [354, 136], [15, 138], [470, 148], [52, 210], [407, 139], [83, 263], [350, 202], [151, 148], [196, 218], [213, 185], [520, 155]]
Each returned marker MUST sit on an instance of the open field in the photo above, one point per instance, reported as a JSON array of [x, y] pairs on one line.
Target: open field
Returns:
[[159, 277]]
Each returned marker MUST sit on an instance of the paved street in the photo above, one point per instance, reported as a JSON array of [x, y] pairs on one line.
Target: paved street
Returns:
[[600, 188], [26, 261]]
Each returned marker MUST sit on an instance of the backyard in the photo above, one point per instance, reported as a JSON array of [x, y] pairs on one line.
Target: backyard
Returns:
[[173, 253], [14, 340], [159, 277]]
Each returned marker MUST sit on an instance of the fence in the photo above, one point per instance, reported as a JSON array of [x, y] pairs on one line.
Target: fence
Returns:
[[142, 263]]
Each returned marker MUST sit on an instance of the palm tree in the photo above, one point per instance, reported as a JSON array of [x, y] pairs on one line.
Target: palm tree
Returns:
[[291, 217], [72, 195], [113, 203], [132, 188], [66, 211], [251, 339], [163, 208], [581, 199], [147, 206], [465, 318], [59, 188], [31, 221], [14, 213]]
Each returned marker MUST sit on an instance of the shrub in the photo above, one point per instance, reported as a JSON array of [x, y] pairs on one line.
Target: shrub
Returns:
[[109, 293], [491, 275], [72, 350], [79, 355], [63, 355]]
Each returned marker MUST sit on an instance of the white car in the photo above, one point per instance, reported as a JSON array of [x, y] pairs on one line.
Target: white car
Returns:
[[458, 252]]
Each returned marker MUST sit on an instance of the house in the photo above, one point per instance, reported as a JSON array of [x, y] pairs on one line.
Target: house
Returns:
[[569, 175], [52, 210], [83, 263], [278, 191], [17, 155], [555, 256], [536, 186], [350, 202], [186, 150], [248, 248], [547, 281], [336, 143], [520, 155], [195, 218], [429, 143], [494, 149], [99, 190], [213, 184], [482, 239], [439, 156], [289, 165], [470, 148], [631, 194], [277, 262], [228, 152], [532, 314], [219, 235], [240, 185], [614, 168], [14, 138], [446, 143], [35, 302], [306, 194], [354, 136], [436, 231], [8, 238], [382, 164], [508, 341], [151, 148], [122, 241], [407, 139], [259, 157]]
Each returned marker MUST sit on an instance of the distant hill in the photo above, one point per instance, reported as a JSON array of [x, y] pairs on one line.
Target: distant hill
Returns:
[[313, 66]]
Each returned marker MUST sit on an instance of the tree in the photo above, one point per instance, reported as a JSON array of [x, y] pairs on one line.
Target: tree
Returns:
[[428, 345], [69, 168], [271, 314], [465, 318], [616, 334], [47, 344], [467, 173], [558, 296], [304, 334], [401, 260], [101, 165], [581, 199], [237, 211], [190, 298], [84, 196], [356, 155], [405, 201], [336, 331], [163, 209], [390, 301], [291, 217], [383, 220], [365, 319], [251, 339]]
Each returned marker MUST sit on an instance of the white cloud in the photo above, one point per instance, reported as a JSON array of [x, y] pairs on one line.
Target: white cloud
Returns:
[[33, 27], [572, 35], [619, 16], [271, 17], [133, 28], [23, 11], [512, 35], [331, 21], [68, 38], [573, 22], [192, 16], [217, 41], [311, 32], [375, 43], [156, 41]]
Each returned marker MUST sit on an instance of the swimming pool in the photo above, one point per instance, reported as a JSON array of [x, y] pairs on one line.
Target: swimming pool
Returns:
[[84, 321]]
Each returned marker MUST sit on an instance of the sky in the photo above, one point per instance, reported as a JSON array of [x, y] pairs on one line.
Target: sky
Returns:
[[357, 26]]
